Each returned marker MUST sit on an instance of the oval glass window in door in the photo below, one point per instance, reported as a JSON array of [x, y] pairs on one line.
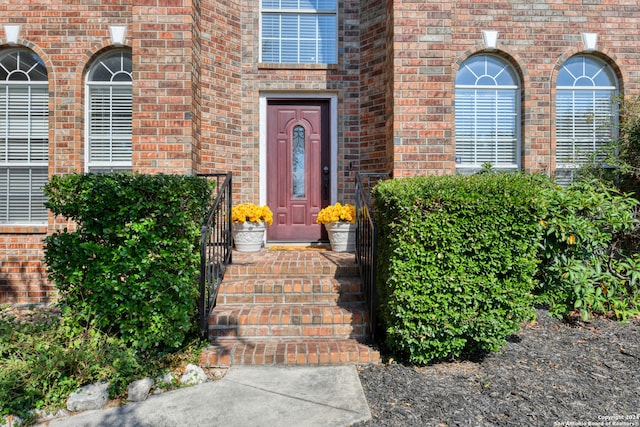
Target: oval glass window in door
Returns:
[[298, 167]]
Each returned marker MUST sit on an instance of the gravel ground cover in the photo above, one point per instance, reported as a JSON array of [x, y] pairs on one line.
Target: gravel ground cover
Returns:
[[552, 373]]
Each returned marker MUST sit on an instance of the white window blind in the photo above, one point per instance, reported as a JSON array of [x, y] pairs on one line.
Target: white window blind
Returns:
[[109, 111], [110, 125], [486, 115], [24, 137], [485, 128], [585, 116], [299, 31]]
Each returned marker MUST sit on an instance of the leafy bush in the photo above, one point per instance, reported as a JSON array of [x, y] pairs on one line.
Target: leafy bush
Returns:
[[459, 259], [618, 162], [43, 360], [46, 355], [584, 264], [130, 265]]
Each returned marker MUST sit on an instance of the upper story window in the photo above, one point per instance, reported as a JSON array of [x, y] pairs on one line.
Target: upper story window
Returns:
[[586, 119], [299, 31], [487, 109], [109, 112], [24, 137]]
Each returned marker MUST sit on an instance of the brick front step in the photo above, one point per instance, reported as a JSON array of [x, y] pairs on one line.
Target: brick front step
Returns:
[[295, 290], [225, 352], [293, 263], [290, 307], [289, 320]]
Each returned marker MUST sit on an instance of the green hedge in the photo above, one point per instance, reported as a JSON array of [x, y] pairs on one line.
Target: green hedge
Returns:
[[589, 260], [457, 260], [130, 265]]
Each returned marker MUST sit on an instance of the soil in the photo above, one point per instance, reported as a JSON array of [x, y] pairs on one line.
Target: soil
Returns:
[[552, 373]]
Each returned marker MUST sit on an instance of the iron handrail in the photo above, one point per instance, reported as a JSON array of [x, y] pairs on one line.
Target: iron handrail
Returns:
[[216, 245], [366, 242]]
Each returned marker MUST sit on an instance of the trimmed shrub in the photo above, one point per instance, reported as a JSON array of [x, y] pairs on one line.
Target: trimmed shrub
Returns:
[[46, 358], [587, 261], [130, 265], [459, 259]]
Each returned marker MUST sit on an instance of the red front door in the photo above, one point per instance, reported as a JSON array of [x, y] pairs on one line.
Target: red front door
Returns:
[[298, 174]]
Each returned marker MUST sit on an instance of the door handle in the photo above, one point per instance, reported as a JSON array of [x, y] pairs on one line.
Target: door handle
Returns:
[[325, 182]]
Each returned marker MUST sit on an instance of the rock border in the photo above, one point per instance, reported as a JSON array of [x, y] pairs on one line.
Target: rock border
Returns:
[[96, 396]]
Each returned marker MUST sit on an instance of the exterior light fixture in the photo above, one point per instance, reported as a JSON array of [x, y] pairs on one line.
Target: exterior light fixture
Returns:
[[117, 34], [11, 33], [590, 41], [490, 38]]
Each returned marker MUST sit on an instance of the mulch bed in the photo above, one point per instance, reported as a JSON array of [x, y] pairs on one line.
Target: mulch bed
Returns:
[[552, 373]]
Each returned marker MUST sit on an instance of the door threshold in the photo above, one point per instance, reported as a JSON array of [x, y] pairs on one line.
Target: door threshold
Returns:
[[297, 246]]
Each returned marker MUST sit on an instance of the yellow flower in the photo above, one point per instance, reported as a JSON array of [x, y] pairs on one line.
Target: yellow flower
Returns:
[[337, 212], [251, 213]]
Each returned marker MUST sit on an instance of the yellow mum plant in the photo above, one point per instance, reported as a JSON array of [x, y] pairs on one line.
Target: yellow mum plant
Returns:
[[337, 212], [252, 213]]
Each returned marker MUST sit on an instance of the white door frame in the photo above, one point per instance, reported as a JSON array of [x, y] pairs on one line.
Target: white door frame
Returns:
[[333, 108]]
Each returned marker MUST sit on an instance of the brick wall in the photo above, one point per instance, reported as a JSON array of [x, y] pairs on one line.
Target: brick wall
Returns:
[[161, 41], [67, 36], [342, 80], [22, 275], [373, 82], [219, 87], [197, 86], [431, 39]]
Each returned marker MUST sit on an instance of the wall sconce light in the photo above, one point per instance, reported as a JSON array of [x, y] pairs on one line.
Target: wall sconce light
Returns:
[[590, 41], [11, 33], [490, 38], [117, 34]]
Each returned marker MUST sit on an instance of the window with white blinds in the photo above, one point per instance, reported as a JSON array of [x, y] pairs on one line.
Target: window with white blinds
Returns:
[[585, 116], [487, 105], [24, 137], [299, 31], [109, 113]]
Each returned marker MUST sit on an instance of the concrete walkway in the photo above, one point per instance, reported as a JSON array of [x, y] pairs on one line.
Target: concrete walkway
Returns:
[[247, 396]]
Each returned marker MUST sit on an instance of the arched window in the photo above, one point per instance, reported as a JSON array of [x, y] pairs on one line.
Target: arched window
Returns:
[[487, 105], [585, 115], [109, 112], [24, 137]]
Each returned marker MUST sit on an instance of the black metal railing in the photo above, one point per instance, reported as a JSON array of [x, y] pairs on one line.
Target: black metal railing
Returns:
[[215, 245], [366, 242]]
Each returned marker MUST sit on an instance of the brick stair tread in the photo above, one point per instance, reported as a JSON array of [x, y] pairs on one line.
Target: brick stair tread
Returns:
[[225, 352], [289, 320], [290, 307], [306, 263], [296, 314], [290, 289]]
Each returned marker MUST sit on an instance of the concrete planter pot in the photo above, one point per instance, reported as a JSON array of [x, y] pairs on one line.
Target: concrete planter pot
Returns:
[[249, 236], [342, 236]]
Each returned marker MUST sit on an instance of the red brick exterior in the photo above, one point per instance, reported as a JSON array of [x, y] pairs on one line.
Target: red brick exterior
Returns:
[[431, 39], [197, 85], [161, 45]]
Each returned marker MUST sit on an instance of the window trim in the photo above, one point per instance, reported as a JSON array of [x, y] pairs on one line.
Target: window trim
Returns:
[[297, 12], [567, 168], [35, 216], [90, 85], [470, 167]]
